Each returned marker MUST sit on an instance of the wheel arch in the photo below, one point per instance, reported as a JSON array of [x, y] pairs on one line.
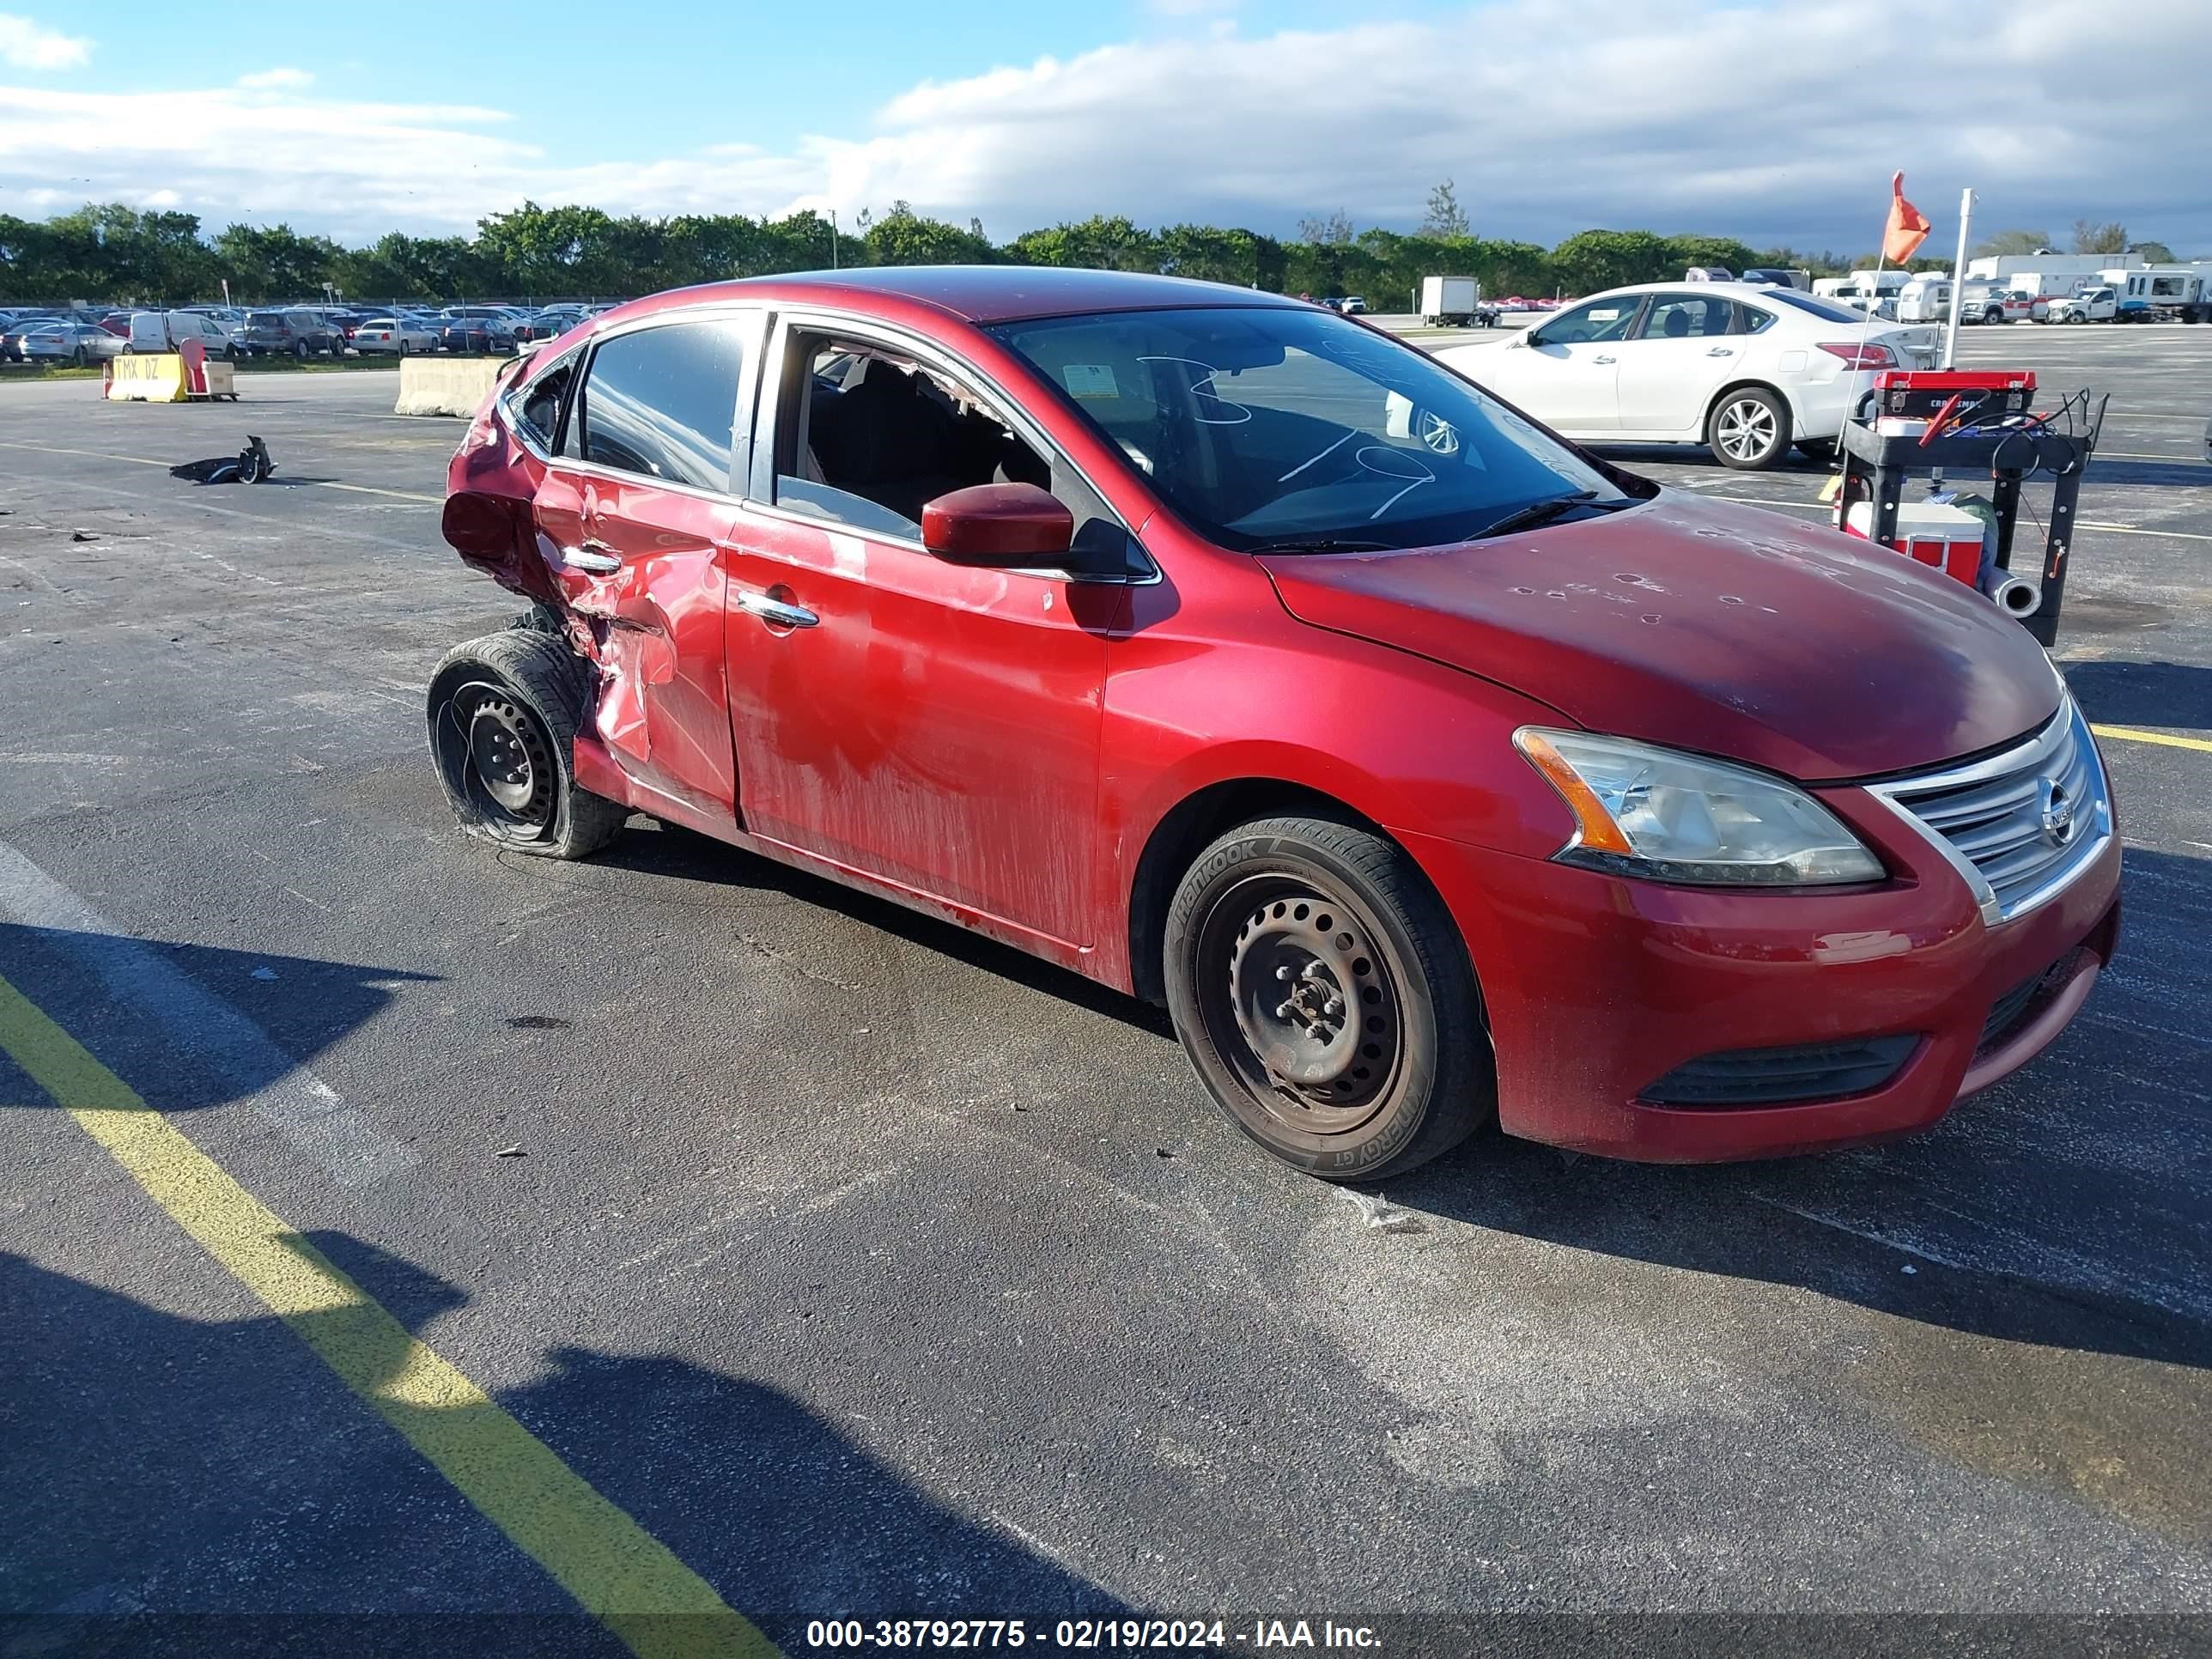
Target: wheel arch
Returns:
[[1750, 383], [1185, 830]]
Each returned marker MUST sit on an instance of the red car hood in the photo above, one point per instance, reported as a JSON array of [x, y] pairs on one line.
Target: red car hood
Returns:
[[1724, 630]]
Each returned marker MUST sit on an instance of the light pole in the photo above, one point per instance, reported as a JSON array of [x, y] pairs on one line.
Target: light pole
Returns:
[[833, 238]]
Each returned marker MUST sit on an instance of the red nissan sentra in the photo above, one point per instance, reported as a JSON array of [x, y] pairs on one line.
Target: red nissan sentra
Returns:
[[1231, 653]]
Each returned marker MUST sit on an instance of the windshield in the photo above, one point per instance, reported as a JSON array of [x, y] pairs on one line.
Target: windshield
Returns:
[[1269, 426]]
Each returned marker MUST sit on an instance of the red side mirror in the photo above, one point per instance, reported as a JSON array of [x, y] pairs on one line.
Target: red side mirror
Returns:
[[997, 524]]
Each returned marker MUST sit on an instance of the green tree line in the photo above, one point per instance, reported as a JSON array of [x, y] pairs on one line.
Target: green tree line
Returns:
[[113, 253]]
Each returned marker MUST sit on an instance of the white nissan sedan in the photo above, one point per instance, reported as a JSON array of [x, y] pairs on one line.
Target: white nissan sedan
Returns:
[[1746, 368]]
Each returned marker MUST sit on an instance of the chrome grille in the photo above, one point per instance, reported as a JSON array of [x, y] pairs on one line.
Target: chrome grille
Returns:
[[2020, 824]]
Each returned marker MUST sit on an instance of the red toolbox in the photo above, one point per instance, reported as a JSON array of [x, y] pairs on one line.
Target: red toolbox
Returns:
[[1920, 393]]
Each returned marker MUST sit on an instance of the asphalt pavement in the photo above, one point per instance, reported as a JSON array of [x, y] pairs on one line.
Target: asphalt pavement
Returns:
[[865, 1269]]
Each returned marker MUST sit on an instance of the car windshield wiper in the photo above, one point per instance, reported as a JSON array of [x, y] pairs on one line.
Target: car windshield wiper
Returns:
[[1323, 544], [1536, 513]]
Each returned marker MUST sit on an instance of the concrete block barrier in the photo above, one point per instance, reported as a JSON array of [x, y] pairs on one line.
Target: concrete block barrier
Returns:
[[149, 377], [457, 386]]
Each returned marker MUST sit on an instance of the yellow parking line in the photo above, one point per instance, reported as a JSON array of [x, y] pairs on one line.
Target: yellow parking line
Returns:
[[2129, 734], [632, 1584], [141, 460]]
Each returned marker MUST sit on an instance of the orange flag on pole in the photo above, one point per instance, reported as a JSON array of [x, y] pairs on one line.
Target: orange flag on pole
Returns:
[[1908, 226]]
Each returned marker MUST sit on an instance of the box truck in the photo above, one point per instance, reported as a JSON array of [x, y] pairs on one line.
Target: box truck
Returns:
[[1450, 301]]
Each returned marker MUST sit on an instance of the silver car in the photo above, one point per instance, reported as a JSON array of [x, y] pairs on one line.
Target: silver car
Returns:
[[80, 343]]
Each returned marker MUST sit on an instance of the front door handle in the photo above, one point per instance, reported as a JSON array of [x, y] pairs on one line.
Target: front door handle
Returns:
[[1722, 351], [776, 613], [591, 558], [1601, 360]]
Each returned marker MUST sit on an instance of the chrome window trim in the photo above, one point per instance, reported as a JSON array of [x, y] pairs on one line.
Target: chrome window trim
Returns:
[[583, 352], [2031, 755]]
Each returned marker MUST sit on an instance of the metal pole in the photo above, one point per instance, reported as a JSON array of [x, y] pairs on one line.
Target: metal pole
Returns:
[[833, 238], [1958, 281]]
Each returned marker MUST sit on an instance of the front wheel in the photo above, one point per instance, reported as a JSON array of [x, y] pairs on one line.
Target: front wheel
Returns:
[[1321, 991], [80, 357], [299, 350], [503, 714], [1749, 429]]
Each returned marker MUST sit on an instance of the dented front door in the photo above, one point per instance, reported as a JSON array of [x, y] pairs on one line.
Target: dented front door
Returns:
[[934, 726]]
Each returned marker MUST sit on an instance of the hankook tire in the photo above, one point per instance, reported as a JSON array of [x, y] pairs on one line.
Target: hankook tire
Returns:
[[1324, 996]]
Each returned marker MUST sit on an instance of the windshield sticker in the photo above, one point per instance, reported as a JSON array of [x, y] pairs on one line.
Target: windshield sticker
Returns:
[[1610, 314], [1090, 380]]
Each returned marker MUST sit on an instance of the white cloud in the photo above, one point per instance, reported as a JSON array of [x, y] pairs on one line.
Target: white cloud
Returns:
[[28, 45], [1775, 123], [276, 79]]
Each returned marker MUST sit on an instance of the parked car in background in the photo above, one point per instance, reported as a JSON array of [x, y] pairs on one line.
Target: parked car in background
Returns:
[[295, 333], [476, 328], [1775, 875], [165, 331], [60, 341], [401, 335], [2101, 304], [1747, 370], [546, 325]]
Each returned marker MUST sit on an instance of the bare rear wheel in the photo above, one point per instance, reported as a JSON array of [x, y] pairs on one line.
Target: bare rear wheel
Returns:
[[503, 715]]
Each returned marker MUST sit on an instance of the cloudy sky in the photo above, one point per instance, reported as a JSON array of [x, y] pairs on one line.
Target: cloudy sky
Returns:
[[1773, 122]]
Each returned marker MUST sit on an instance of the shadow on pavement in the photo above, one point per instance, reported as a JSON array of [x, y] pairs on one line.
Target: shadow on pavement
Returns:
[[193, 1025], [2119, 693], [2091, 1167], [665, 850], [182, 1485]]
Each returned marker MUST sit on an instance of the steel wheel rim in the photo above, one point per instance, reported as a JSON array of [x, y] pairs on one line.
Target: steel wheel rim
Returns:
[[1303, 1003], [505, 760], [1746, 429]]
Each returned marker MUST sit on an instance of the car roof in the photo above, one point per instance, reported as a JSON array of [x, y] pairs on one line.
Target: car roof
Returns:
[[1741, 289], [975, 294]]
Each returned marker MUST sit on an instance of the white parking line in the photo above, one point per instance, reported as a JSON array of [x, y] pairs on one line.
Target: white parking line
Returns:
[[344, 1141]]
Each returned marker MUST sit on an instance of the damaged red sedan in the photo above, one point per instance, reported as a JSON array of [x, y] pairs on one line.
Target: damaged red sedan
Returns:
[[1430, 770]]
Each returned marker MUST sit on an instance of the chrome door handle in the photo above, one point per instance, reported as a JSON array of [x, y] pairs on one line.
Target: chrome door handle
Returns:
[[591, 559], [1722, 351], [1601, 360], [776, 613]]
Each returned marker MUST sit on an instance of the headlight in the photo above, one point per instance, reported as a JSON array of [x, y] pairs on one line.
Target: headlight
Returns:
[[1670, 817]]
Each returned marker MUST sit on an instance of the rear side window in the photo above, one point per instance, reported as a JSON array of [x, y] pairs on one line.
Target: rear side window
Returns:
[[1826, 309], [535, 408], [662, 403], [1687, 317]]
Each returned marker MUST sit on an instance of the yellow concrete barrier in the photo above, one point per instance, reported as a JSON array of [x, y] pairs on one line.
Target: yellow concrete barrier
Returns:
[[459, 387], [156, 376]]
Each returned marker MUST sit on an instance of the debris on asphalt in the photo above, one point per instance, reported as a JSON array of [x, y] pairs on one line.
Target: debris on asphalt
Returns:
[[1382, 1216], [1909, 1268], [250, 465], [1164, 1152], [264, 973], [84, 535], [510, 1151]]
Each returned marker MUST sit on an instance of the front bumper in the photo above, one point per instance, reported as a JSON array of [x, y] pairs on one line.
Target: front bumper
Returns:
[[1597, 988]]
